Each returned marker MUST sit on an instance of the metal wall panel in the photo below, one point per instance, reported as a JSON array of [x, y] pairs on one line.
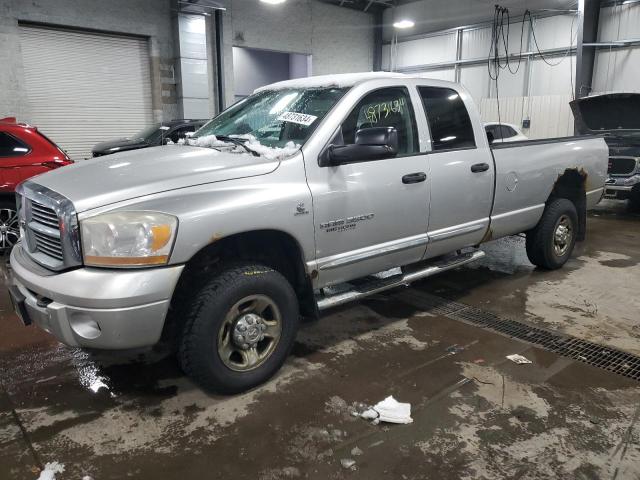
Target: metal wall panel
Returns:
[[617, 70], [476, 42], [550, 115], [84, 88], [552, 80], [441, 48], [620, 22]]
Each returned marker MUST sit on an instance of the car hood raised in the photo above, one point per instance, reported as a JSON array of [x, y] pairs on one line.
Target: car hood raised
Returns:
[[122, 176], [607, 113]]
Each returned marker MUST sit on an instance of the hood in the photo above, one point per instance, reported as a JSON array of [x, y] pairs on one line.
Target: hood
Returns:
[[122, 176], [610, 113], [122, 144]]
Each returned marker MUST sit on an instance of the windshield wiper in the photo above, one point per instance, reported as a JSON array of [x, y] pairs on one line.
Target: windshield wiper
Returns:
[[239, 142]]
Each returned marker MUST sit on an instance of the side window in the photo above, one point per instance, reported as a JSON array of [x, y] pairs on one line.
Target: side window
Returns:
[[448, 118], [10, 146], [508, 132], [387, 107]]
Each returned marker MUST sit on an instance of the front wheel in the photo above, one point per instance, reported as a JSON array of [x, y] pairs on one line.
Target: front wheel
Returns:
[[550, 243], [239, 329]]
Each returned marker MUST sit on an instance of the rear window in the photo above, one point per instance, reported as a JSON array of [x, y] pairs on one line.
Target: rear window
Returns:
[[448, 119], [10, 146]]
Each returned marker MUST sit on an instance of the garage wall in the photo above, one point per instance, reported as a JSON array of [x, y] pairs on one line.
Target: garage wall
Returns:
[[150, 18], [538, 86], [339, 40], [618, 70]]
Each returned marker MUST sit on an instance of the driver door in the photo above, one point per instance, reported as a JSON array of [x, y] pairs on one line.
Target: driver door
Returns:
[[372, 215]]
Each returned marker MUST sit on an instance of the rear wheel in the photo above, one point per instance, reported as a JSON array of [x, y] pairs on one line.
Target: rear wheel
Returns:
[[550, 243], [9, 226], [239, 329]]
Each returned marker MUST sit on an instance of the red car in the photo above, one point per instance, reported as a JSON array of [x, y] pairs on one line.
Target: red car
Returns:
[[24, 152]]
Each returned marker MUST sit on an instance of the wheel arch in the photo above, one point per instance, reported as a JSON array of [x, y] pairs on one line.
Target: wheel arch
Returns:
[[274, 248], [572, 185]]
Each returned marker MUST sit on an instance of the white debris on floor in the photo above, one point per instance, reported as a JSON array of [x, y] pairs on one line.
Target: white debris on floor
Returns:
[[388, 410], [50, 470], [519, 359]]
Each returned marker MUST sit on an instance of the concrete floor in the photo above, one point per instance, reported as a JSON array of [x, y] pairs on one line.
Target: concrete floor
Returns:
[[476, 414]]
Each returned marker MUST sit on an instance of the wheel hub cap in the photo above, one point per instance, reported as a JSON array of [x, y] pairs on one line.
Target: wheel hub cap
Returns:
[[249, 333], [249, 330], [562, 236]]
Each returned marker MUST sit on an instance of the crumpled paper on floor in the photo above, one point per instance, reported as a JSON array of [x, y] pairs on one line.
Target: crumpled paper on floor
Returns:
[[389, 410]]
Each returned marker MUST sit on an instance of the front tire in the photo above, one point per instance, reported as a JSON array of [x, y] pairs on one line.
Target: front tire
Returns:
[[550, 243], [239, 329]]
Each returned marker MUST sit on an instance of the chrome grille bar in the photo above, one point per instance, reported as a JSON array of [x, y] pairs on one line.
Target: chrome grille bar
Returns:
[[50, 227]]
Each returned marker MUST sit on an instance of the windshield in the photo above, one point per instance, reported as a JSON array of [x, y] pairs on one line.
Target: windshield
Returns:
[[275, 117], [151, 134]]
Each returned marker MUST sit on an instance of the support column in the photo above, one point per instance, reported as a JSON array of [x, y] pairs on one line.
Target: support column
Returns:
[[378, 20], [588, 16]]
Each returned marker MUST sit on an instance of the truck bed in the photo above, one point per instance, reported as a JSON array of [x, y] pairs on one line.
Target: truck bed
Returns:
[[523, 167]]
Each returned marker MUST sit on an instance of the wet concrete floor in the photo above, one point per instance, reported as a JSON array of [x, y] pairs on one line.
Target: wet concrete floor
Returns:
[[476, 414]]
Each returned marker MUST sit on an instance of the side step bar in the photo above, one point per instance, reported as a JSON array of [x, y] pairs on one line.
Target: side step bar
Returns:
[[374, 284]]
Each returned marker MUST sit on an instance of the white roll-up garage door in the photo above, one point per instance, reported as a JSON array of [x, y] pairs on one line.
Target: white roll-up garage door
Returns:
[[84, 88]]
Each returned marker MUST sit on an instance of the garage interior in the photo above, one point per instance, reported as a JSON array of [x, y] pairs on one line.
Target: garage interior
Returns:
[[93, 71]]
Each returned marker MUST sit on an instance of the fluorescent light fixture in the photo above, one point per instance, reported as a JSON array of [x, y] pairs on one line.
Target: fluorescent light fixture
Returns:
[[273, 2], [401, 23]]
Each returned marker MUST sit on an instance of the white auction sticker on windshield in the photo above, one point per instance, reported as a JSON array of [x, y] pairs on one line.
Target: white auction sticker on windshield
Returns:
[[299, 118]]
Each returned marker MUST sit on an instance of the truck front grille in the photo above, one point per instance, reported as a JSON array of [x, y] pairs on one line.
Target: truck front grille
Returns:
[[50, 227], [621, 165], [44, 215]]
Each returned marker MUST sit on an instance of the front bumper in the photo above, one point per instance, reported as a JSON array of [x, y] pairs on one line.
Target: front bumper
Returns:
[[621, 187], [93, 307]]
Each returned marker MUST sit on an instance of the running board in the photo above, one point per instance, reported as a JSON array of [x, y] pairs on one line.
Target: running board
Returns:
[[376, 284]]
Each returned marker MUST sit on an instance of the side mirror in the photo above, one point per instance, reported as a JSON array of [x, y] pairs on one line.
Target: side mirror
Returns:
[[373, 143], [490, 137]]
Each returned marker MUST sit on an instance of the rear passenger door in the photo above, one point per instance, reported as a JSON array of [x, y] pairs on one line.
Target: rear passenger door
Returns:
[[461, 171]]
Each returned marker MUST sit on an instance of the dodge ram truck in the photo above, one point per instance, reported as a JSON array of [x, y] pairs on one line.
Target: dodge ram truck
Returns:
[[307, 194], [617, 117]]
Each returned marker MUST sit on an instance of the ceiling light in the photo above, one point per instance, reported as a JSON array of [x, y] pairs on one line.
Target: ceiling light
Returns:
[[273, 2], [402, 23]]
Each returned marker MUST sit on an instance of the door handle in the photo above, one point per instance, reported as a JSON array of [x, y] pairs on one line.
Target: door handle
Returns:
[[479, 167], [414, 177]]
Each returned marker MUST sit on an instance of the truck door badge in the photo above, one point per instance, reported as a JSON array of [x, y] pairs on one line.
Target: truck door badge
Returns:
[[344, 224], [301, 210]]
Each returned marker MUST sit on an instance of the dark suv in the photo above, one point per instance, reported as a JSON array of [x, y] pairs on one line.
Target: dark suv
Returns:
[[156, 134]]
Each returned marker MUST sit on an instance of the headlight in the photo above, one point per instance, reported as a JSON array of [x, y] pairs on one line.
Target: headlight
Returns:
[[122, 239]]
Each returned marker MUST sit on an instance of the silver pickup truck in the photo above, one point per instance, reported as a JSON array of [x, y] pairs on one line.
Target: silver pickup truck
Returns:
[[305, 195]]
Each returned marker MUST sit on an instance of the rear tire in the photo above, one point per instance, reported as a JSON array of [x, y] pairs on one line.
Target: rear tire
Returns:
[[550, 243], [239, 329], [634, 201]]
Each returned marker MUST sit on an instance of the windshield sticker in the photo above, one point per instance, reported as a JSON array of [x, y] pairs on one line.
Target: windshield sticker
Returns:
[[375, 113], [299, 118]]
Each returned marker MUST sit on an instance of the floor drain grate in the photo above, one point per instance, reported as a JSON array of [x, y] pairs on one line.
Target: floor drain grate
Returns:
[[607, 358]]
